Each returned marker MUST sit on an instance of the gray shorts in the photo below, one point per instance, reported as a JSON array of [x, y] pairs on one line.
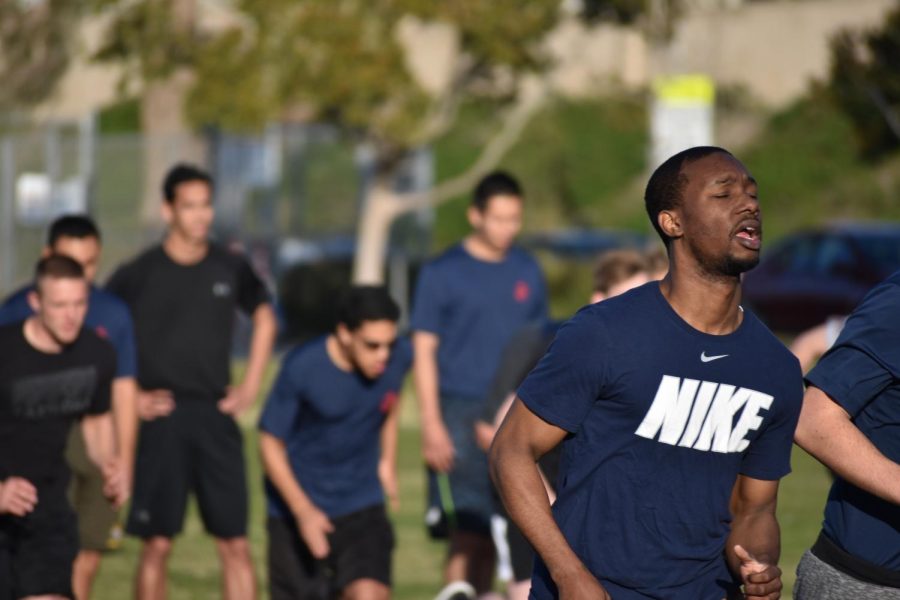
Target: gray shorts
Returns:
[[817, 580], [461, 500]]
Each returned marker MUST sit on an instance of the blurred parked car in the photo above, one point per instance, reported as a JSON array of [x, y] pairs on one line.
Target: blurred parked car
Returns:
[[812, 275]]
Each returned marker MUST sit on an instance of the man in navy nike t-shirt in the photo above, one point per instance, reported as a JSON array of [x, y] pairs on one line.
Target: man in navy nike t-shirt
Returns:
[[676, 410], [469, 302], [328, 437]]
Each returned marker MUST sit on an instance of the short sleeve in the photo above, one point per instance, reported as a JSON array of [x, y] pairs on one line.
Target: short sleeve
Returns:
[[106, 370], [251, 290], [428, 302], [768, 457], [519, 356], [122, 339], [15, 308], [284, 402], [866, 357], [570, 378]]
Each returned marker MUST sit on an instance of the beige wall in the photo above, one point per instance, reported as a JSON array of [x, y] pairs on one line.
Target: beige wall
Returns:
[[773, 49]]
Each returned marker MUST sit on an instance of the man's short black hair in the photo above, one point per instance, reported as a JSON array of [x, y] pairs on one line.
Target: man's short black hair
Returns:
[[361, 303], [498, 183], [73, 226], [666, 186], [57, 266], [183, 173]]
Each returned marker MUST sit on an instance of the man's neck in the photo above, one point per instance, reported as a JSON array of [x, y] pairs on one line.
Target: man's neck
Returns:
[[708, 304], [480, 249], [337, 355], [184, 252], [39, 338]]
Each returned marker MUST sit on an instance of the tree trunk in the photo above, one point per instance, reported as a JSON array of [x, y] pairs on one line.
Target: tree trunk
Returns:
[[167, 139], [167, 136], [373, 234]]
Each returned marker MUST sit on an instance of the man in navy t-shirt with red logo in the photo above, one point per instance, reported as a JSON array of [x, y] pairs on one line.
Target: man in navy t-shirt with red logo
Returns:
[[328, 437], [676, 410], [469, 302]]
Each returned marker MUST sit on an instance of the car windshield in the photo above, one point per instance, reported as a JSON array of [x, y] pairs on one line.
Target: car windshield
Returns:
[[883, 250]]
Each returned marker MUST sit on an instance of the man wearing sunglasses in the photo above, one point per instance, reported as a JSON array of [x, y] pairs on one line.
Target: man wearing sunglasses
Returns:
[[328, 438]]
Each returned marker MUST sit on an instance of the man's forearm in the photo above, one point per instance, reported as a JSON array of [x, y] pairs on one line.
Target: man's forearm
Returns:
[[826, 431], [277, 467], [521, 488], [757, 533], [99, 437], [124, 403], [389, 437], [265, 328], [425, 376]]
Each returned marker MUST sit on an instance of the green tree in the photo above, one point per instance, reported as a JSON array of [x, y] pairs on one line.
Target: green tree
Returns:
[[865, 82], [390, 73], [35, 46]]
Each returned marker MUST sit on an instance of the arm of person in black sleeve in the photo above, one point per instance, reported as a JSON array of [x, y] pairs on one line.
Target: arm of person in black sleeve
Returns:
[[519, 356], [254, 300]]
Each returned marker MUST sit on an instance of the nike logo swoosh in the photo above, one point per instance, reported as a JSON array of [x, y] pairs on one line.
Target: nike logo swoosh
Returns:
[[706, 359]]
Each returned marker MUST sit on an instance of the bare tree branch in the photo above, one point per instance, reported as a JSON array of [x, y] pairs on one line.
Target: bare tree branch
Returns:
[[531, 97]]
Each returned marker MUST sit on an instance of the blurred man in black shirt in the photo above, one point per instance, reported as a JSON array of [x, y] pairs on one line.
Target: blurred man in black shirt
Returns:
[[52, 373], [183, 295]]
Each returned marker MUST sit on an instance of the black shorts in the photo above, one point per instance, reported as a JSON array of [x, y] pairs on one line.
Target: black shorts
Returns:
[[198, 449], [361, 547], [36, 553]]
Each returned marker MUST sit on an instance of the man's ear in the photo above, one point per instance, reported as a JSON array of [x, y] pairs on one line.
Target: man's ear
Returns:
[[475, 217], [166, 211], [343, 334], [34, 300], [670, 222]]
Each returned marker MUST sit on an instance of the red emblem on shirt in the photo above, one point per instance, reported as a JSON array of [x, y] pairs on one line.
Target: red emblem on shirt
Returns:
[[521, 292], [101, 331], [388, 401]]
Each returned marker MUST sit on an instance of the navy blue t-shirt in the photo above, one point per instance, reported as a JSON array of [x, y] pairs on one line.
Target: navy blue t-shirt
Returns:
[[330, 422], [861, 372], [662, 419], [475, 307], [107, 315]]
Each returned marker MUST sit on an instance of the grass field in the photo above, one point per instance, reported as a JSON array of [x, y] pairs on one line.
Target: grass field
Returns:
[[194, 571]]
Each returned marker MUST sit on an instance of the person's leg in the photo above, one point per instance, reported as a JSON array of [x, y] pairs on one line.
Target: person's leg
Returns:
[[219, 481], [151, 573], [159, 500], [44, 548], [238, 577], [817, 580], [471, 557], [293, 572], [366, 589], [362, 546], [84, 570], [96, 517]]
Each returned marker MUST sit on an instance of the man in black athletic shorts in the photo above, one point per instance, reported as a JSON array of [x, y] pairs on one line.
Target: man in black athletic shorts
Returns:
[[328, 438], [183, 295], [52, 372]]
